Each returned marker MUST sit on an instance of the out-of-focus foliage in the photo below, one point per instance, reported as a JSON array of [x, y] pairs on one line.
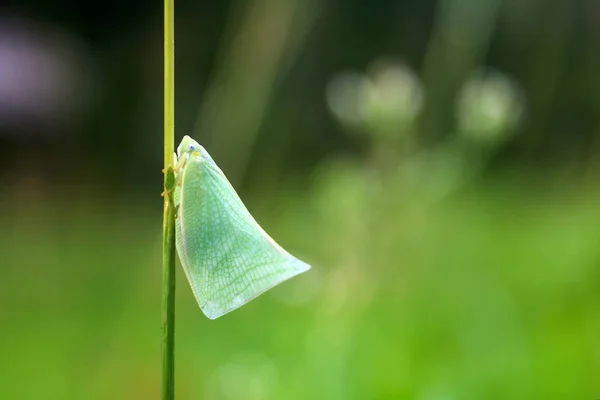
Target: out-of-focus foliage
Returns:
[[435, 162]]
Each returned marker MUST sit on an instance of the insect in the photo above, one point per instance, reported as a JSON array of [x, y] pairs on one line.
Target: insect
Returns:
[[227, 257]]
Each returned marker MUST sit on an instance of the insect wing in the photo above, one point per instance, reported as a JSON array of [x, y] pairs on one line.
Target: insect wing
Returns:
[[228, 258]]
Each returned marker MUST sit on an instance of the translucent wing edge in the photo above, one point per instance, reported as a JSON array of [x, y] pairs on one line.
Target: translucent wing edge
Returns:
[[213, 311]]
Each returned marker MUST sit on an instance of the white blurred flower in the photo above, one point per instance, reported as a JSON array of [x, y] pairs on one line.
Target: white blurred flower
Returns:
[[489, 106], [394, 95], [345, 95], [386, 100]]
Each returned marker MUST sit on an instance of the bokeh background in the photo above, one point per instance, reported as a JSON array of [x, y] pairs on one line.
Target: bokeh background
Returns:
[[437, 162]]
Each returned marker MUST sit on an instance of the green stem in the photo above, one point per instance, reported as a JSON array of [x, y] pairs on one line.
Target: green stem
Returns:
[[168, 317]]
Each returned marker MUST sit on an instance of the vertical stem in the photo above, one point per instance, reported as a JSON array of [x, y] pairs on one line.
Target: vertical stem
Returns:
[[169, 55], [168, 317]]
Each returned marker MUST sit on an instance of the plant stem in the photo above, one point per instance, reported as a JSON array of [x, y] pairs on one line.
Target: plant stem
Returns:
[[168, 317]]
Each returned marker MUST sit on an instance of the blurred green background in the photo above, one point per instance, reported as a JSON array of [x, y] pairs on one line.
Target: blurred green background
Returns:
[[436, 162]]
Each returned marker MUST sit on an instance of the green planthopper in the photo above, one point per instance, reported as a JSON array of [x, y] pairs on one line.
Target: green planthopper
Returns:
[[227, 257]]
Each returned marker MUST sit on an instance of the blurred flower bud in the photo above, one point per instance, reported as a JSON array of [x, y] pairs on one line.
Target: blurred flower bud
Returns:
[[345, 95], [385, 103], [393, 99], [488, 107]]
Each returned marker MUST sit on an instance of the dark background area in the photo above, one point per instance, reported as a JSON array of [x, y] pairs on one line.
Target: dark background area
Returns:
[[550, 49]]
